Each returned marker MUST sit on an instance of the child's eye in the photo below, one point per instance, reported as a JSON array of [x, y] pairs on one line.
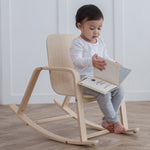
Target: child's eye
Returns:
[[91, 28], [99, 28]]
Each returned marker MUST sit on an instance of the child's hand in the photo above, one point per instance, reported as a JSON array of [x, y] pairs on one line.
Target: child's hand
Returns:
[[98, 62]]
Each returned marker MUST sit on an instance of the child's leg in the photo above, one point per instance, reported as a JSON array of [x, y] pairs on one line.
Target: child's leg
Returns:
[[107, 108], [117, 97], [105, 103], [105, 123], [110, 110]]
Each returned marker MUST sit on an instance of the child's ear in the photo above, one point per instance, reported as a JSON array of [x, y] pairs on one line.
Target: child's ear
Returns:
[[79, 25]]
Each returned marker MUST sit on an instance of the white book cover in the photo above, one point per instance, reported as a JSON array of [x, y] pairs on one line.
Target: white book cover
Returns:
[[108, 79]]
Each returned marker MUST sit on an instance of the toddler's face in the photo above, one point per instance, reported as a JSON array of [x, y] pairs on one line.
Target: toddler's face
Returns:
[[90, 30]]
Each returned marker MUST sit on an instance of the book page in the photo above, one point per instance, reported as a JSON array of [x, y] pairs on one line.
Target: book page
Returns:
[[97, 85], [110, 74]]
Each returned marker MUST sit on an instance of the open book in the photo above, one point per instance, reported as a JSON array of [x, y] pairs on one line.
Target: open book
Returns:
[[108, 79]]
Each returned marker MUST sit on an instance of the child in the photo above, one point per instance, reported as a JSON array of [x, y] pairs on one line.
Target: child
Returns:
[[88, 51]]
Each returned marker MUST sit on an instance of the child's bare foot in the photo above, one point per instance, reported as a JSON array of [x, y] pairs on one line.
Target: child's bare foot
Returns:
[[119, 128], [108, 126]]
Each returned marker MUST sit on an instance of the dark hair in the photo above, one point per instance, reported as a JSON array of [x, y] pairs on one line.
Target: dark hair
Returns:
[[90, 12]]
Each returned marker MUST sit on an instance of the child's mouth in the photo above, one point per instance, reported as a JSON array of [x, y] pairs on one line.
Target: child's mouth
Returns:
[[94, 37]]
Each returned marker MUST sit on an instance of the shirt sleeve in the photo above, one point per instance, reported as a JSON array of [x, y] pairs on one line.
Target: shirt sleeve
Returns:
[[76, 51]]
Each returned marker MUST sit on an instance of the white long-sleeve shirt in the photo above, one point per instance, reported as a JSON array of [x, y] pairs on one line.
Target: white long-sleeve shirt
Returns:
[[82, 52]]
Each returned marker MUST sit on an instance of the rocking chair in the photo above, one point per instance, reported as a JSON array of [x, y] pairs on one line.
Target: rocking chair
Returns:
[[64, 81]]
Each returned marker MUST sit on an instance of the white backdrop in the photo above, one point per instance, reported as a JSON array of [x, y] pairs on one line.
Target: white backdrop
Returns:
[[25, 25]]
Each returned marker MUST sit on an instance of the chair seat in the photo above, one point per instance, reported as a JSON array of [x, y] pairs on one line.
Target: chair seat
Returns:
[[88, 96]]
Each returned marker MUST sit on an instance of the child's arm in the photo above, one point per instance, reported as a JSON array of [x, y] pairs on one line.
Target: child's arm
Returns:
[[76, 52], [98, 62]]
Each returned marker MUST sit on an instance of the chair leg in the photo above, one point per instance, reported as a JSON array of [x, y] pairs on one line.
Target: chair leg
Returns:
[[66, 101], [29, 90], [80, 114], [123, 114]]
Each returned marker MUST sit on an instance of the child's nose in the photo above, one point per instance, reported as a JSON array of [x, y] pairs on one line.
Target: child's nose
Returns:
[[96, 31]]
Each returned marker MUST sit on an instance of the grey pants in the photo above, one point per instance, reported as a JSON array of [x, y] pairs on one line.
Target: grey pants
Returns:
[[108, 103]]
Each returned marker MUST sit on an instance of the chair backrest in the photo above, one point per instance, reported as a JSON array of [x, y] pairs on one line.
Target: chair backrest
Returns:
[[58, 52]]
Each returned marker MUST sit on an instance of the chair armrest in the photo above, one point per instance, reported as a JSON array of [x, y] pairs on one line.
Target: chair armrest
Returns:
[[74, 72]]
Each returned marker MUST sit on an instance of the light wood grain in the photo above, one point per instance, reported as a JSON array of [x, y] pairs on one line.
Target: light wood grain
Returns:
[[14, 135]]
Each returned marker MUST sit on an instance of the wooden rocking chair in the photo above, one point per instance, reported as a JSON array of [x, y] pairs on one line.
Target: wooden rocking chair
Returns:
[[64, 80]]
